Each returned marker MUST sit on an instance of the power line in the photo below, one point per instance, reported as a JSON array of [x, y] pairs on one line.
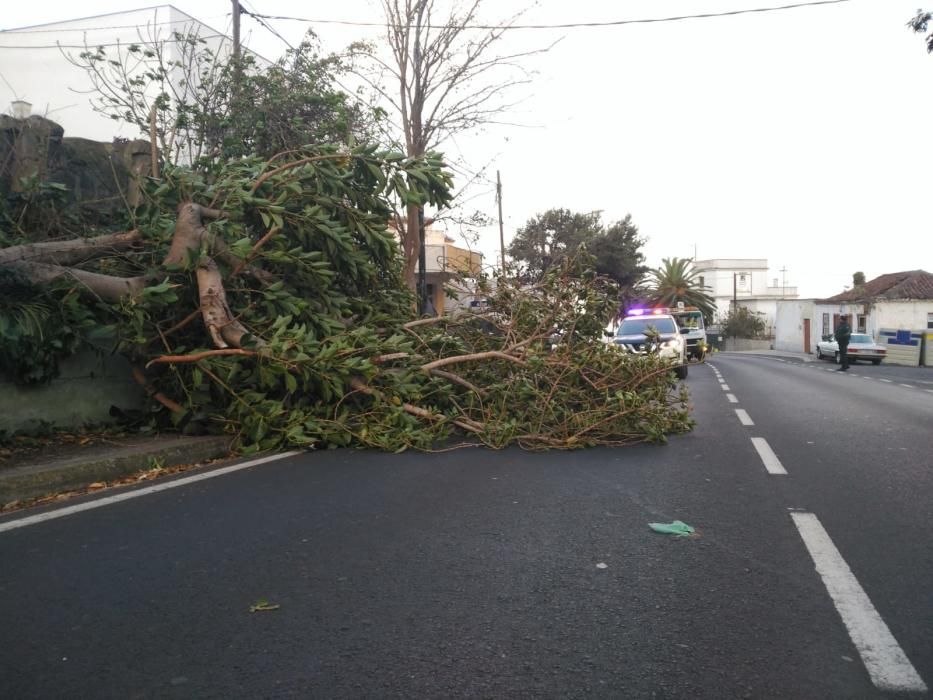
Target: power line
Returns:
[[568, 25], [269, 28]]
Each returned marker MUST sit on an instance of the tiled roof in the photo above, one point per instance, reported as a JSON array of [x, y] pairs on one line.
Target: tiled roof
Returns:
[[915, 284]]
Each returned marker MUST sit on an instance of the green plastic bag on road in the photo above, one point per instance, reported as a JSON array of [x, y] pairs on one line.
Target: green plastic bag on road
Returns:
[[676, 528]]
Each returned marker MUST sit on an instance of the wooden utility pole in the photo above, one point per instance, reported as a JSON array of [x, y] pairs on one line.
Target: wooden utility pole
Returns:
[[501, 233], [236, 32]]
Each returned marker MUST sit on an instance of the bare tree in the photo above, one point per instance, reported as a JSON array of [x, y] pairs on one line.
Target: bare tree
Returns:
[[450, 75]]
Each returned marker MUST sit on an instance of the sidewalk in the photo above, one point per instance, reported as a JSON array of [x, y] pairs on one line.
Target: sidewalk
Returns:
[[67, 466]]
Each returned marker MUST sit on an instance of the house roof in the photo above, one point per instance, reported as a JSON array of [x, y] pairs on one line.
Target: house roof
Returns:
[[914, 284]]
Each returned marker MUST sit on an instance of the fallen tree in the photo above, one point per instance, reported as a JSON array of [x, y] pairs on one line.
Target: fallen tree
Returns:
[[269, 303]]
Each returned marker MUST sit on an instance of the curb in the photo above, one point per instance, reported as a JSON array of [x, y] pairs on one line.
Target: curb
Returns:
[[73, 473]]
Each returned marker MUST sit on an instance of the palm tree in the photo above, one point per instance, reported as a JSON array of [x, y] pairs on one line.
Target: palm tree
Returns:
[[675, 281]]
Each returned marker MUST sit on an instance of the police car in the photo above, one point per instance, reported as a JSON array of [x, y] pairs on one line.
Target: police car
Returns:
[[669, 342]]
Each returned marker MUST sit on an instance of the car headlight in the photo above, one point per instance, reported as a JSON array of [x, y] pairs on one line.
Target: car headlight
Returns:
[[673, 343]]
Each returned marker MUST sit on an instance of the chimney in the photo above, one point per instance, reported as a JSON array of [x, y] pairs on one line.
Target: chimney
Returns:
[[20, 108]]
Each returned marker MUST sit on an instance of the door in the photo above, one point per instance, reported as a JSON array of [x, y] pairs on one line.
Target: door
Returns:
[[806, 335]]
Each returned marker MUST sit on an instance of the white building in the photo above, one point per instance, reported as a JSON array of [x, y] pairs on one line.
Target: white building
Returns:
[[35, 65], [747, 282], [894, 301]]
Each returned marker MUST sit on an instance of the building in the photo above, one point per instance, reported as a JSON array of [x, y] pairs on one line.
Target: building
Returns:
[[897, 301], [448, 266], [745, 282], [40, 72]]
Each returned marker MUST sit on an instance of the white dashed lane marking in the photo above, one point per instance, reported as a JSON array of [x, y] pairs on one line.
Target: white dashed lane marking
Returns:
[[909, 386], [770, 460], [725, 387], [744, 418], [885, 661], [886, 381], [732, 398]]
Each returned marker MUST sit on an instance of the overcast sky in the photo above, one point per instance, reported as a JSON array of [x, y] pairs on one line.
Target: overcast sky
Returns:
[[800, 136]]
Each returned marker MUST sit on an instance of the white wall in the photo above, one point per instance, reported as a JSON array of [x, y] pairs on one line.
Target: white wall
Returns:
[[789, 318], [40, 72], [905, 315]]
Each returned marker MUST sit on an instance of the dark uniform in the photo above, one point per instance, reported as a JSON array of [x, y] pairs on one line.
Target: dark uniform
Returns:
[[842, 334]]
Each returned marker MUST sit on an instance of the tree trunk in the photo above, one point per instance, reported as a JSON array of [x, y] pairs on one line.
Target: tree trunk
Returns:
[[222, 326]]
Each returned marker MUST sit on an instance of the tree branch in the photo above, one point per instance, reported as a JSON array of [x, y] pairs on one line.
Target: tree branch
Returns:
[[197, 356]]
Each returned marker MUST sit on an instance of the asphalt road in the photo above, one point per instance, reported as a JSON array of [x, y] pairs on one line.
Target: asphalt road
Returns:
[[508, 574]]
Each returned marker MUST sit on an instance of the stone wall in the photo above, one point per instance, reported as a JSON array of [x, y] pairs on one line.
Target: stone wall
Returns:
[[102, 178]]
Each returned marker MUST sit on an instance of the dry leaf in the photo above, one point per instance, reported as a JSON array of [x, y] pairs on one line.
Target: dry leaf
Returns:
[[263, 606]]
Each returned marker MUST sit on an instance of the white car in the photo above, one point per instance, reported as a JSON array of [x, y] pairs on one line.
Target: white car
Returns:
[[861, 347], [671, 343]]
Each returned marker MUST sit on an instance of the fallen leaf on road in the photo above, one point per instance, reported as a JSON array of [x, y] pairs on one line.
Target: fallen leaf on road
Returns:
[[263, 606], [96, 485]]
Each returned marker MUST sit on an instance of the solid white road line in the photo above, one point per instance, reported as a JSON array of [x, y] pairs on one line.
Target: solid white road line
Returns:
[[744, 418], [725, 387], [108, 500], [732, 398], [884, 659], [770, 460]]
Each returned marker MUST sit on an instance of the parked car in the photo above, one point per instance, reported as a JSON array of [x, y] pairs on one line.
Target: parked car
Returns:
[[861, 347]]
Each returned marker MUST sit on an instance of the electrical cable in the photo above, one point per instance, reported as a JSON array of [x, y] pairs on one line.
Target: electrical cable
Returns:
[[568, 25]]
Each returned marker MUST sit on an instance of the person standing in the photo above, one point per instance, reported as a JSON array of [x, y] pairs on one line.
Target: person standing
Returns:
[[842, 334]]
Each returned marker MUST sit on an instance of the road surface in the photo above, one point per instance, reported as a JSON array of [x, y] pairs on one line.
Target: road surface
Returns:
[[474, 573]]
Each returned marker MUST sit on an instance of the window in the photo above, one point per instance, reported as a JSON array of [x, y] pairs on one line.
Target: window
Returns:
[[825, 324], [862, 324], [637, 326], [702, 282]]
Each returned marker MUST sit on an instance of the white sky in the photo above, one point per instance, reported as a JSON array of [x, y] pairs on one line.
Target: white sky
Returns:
[[798, 136]]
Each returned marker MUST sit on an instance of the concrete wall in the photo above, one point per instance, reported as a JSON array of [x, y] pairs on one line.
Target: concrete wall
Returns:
[[741, 344], [904, 346], [789, 325], [88, 386]]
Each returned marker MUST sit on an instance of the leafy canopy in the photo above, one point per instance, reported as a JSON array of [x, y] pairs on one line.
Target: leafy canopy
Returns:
[[547, 240], [676, 280]]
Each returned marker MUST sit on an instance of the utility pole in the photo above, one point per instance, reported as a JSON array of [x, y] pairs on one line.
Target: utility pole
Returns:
[[236, 47], [236, 31], [501, 234], [783, 282]]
